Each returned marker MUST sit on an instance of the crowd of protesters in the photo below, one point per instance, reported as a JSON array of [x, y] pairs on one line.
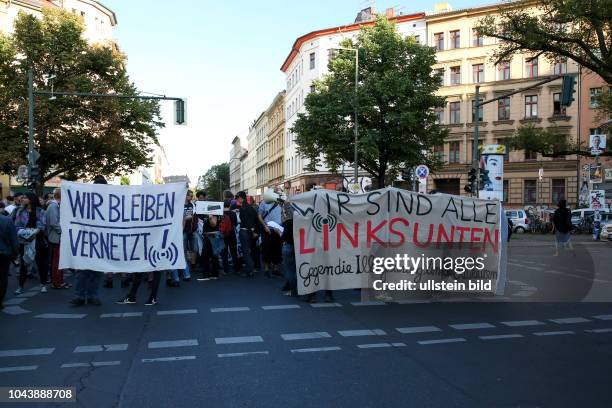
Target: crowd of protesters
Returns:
[[247, 240]]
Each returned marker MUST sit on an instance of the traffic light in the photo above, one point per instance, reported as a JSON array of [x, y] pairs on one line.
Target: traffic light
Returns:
[[567, 90], [471, 186], [406, 174], [179, 112], [33, 174], [467, 188], [484, 178]]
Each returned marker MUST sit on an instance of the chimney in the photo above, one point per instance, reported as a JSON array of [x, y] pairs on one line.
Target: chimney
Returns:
[[390, 13]]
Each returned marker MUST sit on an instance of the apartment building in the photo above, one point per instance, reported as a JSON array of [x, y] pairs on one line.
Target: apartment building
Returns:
[[235, 164], [276, 141], [463, 62]]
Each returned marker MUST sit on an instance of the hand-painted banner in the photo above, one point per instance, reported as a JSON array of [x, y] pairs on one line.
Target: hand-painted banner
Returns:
[[109, 228], [338, 235]]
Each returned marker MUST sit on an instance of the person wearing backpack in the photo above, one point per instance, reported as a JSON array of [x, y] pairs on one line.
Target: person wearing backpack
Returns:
[[227, 227]]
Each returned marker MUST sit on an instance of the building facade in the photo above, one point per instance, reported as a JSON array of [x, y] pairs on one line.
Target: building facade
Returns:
[[261, 154], [307, 61], [235, 165], [249, 179], [463, 62], [276, 141]]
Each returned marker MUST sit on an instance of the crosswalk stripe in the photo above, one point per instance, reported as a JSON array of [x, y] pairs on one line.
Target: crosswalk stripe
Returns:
[[247, 353], [60, 316], [501, 336], [235, 340], [305, 336], [163, 359], [355, 333], [441, 341], [26, 352], [369, 303], [418, 329], [607, 330], [280, 307], [100, 347], [519, 323], [603, 317], [472, 326], [18, 368], [177, 312], [229, 309], [323, 305], [126, 314], [373, 345], [553, 333], [315, 349], [570, 320], [173, 343]]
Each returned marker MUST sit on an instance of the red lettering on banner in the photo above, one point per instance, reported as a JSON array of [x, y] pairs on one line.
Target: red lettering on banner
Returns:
[[325, 237], [474, 239], [400, 234], [371, 233], [416, 235], [303, 249], [442, 234], [487, 238], [354, 240], [462, 230]]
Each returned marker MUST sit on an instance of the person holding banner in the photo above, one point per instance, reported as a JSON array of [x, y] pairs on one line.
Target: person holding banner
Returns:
[[130, 299], [189, 242], [270, 212], [248, 232], [213, 246]]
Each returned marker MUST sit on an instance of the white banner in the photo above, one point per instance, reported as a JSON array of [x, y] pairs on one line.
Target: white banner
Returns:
[[208, 207], [110, 228], [338, 235]]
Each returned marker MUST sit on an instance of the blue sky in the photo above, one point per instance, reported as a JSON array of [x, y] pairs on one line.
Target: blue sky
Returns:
[[225, 58]]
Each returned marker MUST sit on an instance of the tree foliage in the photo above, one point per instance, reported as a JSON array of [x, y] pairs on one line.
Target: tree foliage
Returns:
[[215, 181], [580, 30], [77, 137], [396, 104]]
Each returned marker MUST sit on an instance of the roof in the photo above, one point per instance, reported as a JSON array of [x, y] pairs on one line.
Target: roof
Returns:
[[340, 29], [113, 15]]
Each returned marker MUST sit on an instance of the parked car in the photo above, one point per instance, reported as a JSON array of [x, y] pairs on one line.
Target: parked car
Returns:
[[605, 227], [580, 214], [519, 220]]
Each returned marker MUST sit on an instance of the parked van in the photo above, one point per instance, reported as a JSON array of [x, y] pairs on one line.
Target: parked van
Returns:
[[519, 220]]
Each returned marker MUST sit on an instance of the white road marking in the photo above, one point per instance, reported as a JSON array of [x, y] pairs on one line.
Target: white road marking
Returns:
[[61, 316], [248, 353], [18, 368], [176, 312], [162, 359], [355, 333], [235, 340], [105, 363], [315, 349], [280, 307], [26, 352], [608, 330], [15, 310], [229, 309], [100, 347], [14, 301], [440, 341], [418, 329], [520, 323], [173, 343], [501, 336], [553, 333], [398, 344], [325, 305], [472, 326], [369, 303], [603, 317], [570, 320], [411, 302], [305, 336], [373, 345], [127, 314]]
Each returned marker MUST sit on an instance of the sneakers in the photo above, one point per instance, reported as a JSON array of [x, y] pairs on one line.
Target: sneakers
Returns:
[[77, 302], [43, 288], [126, 301], [151, 302], [19, 291]]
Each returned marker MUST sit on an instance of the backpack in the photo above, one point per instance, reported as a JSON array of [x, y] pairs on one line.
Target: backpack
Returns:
[[226, 226]]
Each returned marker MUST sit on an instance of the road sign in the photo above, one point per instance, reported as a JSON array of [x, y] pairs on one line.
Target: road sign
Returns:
[[33, 156], [422, 171]]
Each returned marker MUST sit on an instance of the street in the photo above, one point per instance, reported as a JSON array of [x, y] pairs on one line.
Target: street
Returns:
[[237, 342]]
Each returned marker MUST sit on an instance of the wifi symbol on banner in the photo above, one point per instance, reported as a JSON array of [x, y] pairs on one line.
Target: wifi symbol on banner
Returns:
[[170, 254], [318, 221]]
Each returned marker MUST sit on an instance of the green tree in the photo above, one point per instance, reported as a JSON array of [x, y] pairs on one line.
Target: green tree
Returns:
[[580, 30], [215, 181], [124, 181], [77, 137], [396, 106]]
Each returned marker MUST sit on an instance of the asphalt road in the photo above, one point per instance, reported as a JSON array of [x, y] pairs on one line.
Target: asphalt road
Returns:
[[239, 343]]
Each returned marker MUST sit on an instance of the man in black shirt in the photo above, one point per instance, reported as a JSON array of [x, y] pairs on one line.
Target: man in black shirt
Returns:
[[248, 231]]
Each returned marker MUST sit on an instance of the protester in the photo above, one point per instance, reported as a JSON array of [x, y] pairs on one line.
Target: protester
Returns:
[[289, 268], [10, 204], [213, 246], [227, 227], [54, 232], [248, 232], [3, 209], [11, 209], [173, 278], [130, 298], [562, 222], [269, 215], [88, 281], [9, 249]]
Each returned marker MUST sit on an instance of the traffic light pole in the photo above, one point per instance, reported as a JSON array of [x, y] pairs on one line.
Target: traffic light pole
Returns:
[[33, 155]]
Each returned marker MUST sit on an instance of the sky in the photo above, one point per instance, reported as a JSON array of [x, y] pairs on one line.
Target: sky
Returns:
[[224, 58]]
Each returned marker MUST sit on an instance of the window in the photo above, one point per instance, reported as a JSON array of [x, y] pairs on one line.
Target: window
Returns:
[[503, 109], [558, 110], [505, 189], [453, 152], [480, 111], [531, 68], [439, 115], [439, 41], [593, 97], [312, 60], [477, 39], [417, 38], [477, 73], [439, 72], [531, 155], [455, 112], [312, 88], [503, 71], [455, 39], [558, 190], [455, 75], [560, 66], [531, 106], [529, 191], [439, 153]]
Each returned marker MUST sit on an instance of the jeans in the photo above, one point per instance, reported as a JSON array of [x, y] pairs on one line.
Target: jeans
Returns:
[[5, 262], [245, 244], [87, 284], [209, 259], [138, 277], [57, 275], [230, 249], [186, 273], [289, 266]]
